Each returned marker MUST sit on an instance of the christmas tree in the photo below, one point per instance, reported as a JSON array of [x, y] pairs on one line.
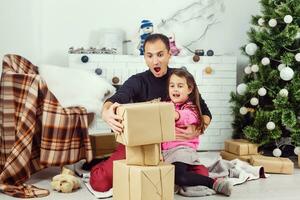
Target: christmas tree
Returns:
[[266, 107]]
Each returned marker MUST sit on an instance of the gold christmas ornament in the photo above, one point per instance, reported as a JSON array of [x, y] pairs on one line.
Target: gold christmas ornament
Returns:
[[208, 70]]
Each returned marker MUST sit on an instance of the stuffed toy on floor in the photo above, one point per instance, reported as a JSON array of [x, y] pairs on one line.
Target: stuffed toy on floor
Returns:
[[65, 182]]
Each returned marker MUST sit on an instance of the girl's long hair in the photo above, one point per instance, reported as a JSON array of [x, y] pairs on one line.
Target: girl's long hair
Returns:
[[194, 96]]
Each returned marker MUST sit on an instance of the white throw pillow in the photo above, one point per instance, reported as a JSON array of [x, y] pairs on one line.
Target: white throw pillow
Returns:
[[76, 87]]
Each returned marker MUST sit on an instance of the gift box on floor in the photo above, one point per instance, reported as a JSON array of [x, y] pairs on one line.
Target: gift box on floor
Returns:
[[103, 144], [230, 156], [273, 164], [146, 123], [240, 147], [143, 155], [131, 182]]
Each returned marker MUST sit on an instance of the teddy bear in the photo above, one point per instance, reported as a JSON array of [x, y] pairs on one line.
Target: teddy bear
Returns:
[[146, 29], [65, 182]]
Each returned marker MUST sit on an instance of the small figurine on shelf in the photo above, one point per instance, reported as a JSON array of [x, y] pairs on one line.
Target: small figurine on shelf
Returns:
[[174, 50], [146, 29]]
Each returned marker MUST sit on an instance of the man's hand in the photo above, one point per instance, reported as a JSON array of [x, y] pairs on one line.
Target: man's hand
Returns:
[[190, 132], [110, 117]]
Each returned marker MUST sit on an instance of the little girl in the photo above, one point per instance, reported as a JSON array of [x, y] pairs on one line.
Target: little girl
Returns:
[[183, 92]]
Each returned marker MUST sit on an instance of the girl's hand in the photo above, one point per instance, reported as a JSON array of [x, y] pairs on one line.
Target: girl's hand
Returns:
[[188, 133]]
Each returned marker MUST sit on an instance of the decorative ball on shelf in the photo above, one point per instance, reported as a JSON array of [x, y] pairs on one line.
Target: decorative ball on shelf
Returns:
[[247, 70], [277, 152], [284, 92], [208, 70], [281, 66], [288, 19], [199, 52], [254, 68], [210, 53], [265, 61], [270, 126], [243, 110], [251, 48], [196, 58], [286, 74], [261, 21], [254, 101], [297, 150], [297, 57], [262, 91], [241, 88], [272, 22]]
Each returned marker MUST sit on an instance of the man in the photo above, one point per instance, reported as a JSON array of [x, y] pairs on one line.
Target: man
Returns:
[[145, 86]]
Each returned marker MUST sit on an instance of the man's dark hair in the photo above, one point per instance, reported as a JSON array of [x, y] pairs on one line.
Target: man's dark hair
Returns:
[[157, 36]]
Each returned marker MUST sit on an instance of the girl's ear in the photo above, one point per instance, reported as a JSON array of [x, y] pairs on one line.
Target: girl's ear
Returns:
[[190, 90]]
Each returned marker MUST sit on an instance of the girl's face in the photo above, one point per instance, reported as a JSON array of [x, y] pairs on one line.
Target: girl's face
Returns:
[[178, 89]]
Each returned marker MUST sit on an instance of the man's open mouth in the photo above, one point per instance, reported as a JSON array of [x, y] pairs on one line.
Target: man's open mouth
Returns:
[[156, 69]]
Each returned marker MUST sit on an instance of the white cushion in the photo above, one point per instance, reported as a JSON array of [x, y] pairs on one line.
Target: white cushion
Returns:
[[76, 87]]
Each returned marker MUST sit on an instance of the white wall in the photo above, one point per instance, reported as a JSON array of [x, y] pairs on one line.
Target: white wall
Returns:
[[43, 30]]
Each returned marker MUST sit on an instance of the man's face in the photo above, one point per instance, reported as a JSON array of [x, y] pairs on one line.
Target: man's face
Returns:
[[157, 57]]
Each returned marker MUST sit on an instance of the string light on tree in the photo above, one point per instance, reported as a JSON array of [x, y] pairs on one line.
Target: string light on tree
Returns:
[[297, 57], [265, 61], [254, 68], [297, 35], [241, 88], [281, 66], [297, 150], [261, 21], [254, 101], [288, 19], [286, 74], [277, 152], [262, 91], [251, 48], [272, 22], [284, 92], [243, 110], [270, 126], [247, 70]]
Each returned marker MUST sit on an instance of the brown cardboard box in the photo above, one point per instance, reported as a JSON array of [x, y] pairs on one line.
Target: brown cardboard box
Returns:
[[273, 164], [131, 182], [240, 147], [143, 155], [103, 144], [146, 123], [230, 156]]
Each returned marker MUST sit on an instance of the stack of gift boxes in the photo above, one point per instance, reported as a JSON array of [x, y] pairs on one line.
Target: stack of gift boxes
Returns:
[[143, 175], [246, 151]]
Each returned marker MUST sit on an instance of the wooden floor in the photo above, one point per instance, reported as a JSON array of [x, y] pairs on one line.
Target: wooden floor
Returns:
[[275, 187]]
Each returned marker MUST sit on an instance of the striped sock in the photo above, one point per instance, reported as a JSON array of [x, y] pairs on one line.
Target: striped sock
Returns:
[[222, 186]]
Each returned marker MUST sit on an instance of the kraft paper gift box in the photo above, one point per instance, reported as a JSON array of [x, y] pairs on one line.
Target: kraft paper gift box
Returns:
[[146, 123], [132, 182], [241, 147], [273, 164], [230, 156], [143, 155], [103, 144]]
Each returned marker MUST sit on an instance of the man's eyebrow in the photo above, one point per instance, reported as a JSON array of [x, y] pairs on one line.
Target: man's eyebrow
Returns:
[[155, 53]]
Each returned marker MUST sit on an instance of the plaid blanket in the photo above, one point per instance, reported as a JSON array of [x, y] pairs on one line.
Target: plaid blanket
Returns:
[[35, 131]]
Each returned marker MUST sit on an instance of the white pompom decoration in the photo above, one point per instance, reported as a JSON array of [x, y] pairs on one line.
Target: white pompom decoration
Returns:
[[272, 22], [243, 110], [265, 61], [247, 70], [284, 92], [241, 88], [277, 152], [297, 57], [288, 19], [261, 21], [281, 66], [251, 49], [254, 101], [270, 126], [297, 150], [262, 91], [286, 74], [254, 68]]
